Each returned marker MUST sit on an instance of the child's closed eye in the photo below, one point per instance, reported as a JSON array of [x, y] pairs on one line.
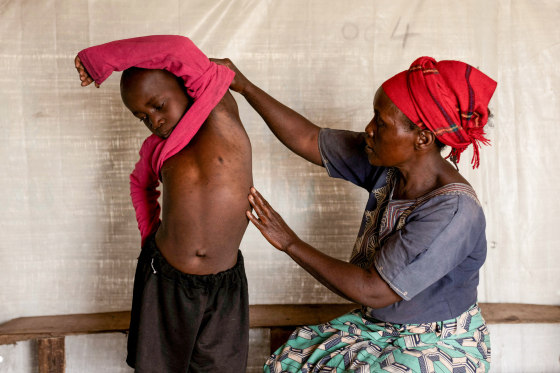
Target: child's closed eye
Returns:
[[160, 106]]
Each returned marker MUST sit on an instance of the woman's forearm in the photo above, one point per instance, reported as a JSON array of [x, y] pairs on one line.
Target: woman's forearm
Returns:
[[345, 279], [295, 131], [351, 282]]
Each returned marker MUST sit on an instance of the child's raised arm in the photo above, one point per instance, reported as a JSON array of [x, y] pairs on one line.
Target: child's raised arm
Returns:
[[205, 81], [174, 53], [84, 75]]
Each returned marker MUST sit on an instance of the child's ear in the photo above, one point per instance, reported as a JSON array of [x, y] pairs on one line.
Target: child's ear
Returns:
[[425, 139]]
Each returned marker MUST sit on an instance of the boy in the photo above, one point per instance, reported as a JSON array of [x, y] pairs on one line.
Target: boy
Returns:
[[190, 301]]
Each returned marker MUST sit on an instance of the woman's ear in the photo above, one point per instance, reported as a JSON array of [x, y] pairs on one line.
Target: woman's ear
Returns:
[[425, 139]]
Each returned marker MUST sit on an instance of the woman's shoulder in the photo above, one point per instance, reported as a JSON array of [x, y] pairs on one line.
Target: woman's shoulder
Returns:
[[458, 189], [451, 185], [456, 201]]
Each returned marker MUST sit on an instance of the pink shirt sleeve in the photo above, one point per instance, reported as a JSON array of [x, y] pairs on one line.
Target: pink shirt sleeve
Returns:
[[174, 53], [206, 83], [143, 190]]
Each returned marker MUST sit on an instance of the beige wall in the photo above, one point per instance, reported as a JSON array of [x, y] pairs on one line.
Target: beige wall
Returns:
[[69, 237]]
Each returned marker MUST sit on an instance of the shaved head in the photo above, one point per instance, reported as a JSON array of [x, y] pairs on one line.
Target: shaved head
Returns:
[[157, 97]]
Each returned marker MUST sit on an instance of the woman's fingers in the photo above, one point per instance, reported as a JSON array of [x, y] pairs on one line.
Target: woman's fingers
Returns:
[[260, 199], [254, 219], [257, 201], [256, 206], [269, 222], [239, 82], [260, 202], [265, 213]]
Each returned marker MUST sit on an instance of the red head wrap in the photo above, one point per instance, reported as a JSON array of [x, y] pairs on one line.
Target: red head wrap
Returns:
[[450, 98]]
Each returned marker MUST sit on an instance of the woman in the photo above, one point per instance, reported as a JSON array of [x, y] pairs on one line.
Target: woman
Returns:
[[414, 267]]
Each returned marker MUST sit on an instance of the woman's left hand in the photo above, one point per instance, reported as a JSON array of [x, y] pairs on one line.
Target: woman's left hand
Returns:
[[271, 225]]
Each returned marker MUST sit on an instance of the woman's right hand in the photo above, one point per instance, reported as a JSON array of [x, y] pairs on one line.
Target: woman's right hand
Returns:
[[240, 82], [270, 223]]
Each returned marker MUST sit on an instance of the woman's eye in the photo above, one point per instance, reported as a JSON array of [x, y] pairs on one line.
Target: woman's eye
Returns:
[[160, 106]]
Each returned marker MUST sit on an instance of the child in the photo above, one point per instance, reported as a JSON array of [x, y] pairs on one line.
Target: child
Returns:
[[190, 302]]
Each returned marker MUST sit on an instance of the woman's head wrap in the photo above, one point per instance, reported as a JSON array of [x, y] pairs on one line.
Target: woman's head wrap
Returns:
[[450, 98]]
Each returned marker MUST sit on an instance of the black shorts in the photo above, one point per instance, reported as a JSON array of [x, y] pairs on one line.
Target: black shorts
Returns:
[[187, 323]]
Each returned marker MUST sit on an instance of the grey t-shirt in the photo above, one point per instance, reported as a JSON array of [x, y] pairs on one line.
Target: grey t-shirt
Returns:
[[428, 250]]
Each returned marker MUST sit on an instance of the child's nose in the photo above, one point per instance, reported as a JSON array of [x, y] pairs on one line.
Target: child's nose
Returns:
[[157, 121]]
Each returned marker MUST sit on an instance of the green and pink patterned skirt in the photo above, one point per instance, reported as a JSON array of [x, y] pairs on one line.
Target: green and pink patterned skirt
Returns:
[[352, 343]]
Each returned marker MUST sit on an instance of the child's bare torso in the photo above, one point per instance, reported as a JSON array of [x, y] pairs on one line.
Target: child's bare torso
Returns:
[[205, 189]]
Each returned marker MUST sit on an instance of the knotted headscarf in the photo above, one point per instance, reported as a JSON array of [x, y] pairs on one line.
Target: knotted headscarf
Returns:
[[450, 98]]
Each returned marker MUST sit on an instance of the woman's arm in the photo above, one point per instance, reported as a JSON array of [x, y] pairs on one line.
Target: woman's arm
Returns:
[[292, 129], [362, 286]]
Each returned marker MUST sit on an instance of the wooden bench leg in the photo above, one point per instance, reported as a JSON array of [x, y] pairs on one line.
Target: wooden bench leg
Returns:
[[51, 356]]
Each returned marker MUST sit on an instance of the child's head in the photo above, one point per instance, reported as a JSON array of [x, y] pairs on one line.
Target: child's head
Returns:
[[157, 97]]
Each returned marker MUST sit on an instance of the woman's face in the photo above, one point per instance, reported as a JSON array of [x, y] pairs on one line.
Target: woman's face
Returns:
[[390, 141]]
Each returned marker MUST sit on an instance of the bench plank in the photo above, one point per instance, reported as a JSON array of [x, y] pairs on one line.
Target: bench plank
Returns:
[[520, 313], [261, 316], [33, 327], [288, 315]]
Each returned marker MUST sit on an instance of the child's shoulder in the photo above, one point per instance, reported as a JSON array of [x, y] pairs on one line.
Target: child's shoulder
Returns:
[[227, 104]]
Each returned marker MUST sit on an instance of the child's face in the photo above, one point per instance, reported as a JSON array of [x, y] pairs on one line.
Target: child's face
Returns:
[[156, 98]]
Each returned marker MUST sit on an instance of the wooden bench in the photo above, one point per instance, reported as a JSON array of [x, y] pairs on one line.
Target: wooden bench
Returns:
[[49, 331]]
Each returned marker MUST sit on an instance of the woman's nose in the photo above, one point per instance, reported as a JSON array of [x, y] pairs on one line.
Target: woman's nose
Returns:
[[369, 129]]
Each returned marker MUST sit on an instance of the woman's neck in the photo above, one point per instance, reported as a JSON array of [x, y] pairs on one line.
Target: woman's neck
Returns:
[[416, 180]]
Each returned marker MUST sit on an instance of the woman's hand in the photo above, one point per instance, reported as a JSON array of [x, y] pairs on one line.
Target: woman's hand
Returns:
[[84, 75], [347, 280], [271, 225], [240, 82]]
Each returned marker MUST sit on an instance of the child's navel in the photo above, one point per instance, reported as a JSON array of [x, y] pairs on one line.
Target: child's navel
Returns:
[[201, 253]]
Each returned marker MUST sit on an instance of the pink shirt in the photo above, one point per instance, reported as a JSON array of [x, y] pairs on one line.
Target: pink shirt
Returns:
[[206, 84]]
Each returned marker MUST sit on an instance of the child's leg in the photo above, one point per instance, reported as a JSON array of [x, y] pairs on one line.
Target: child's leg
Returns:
[[166, 315], [223, 341]]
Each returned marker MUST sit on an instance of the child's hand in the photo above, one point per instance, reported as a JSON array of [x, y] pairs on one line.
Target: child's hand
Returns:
[[240, 82], [271, 225], [84, 75]]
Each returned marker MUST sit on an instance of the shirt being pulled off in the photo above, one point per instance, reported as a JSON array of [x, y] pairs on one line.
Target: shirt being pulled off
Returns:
[[206, 84]]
